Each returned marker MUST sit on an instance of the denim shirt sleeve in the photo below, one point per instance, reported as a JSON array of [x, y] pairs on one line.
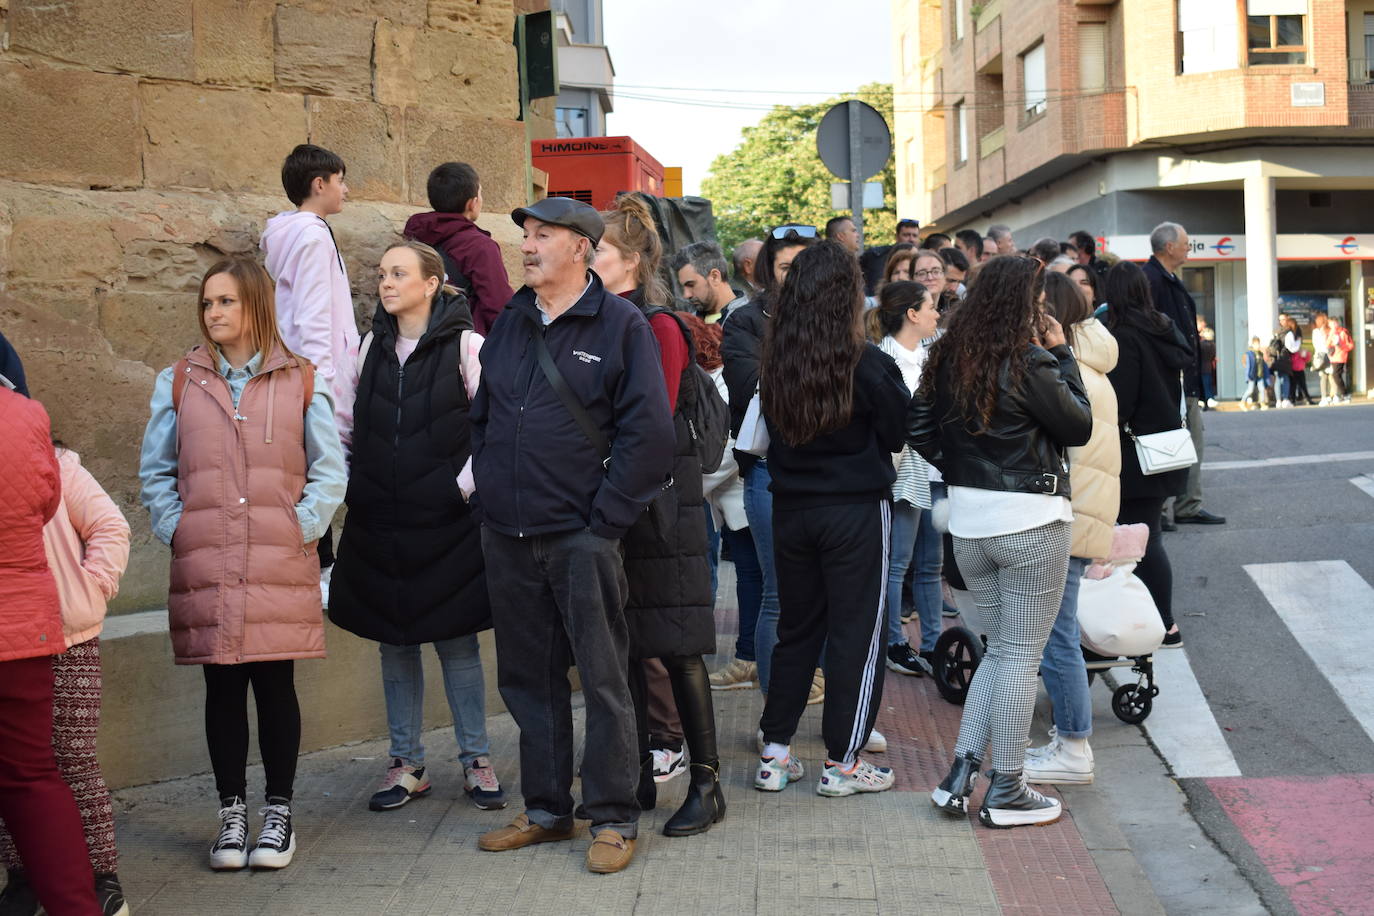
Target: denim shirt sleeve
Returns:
[[325, 476], [157, 471]]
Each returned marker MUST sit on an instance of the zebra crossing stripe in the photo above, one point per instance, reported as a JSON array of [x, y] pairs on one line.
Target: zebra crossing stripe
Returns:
[[1181, 724], [1327, 607], [1364, 482]]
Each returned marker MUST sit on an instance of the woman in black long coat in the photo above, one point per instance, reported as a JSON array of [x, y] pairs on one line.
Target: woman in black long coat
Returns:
[[1152, 352], [410, 567]]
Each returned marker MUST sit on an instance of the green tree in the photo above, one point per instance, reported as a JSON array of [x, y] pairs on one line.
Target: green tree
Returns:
[[776, 176]]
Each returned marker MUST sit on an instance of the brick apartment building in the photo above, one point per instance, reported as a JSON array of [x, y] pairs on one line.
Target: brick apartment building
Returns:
[[1250, 122]]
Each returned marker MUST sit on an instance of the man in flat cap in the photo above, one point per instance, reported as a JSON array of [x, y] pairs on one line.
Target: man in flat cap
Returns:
[[572, 436]]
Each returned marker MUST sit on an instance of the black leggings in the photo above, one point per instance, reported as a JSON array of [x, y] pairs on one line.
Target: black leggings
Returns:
[[692, 694], [1154, 569], [226, 725], [1297, 388]]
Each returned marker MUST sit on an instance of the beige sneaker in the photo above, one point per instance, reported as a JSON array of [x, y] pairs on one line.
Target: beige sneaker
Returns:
[[817, 688], [736, 675]]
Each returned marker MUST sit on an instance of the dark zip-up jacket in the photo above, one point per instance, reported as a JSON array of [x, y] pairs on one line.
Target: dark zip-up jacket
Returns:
[[1173, 299], [741, 349], [535, 470]]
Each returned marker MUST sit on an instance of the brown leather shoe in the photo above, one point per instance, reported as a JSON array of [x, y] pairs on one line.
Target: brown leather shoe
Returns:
[[609, 853], [521, 833]]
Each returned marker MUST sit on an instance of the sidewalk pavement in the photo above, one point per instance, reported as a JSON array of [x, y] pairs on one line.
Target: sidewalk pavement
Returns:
[[786, 853]]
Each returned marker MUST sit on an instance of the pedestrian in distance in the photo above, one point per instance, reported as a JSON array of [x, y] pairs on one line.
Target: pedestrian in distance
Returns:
[[314, 303], [971, 244], [1292, 341], [834, 406], [1152, 351], [1207, 341], [874, 260], [87, 548], [412, 570], [670, 599], [241, 471], [1000, 234], [572, 439], [36, 804], [472, 259], [1000, 401], [1322, 333], [1094, 476], [1258, 377], [842, 231], [742, 259], [1338, 346]]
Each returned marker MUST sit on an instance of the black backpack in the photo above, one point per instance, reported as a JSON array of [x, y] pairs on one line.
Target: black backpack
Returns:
[[700, 403], [1277, 355]]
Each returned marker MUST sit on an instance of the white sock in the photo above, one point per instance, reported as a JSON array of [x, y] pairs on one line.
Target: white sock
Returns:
[[775, 751], [1076, 746]]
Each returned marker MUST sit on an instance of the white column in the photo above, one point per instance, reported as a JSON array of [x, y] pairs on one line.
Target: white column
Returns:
[[1261, 258]]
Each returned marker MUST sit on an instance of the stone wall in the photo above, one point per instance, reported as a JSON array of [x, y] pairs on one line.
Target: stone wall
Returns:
[[143, 139]]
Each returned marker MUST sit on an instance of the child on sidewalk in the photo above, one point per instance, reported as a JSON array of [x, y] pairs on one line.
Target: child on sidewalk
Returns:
[[314, 305], [1257, 376], [471, 258]]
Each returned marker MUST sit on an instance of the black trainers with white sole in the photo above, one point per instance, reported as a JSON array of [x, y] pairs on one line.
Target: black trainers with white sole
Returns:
[[230, 851], [277, 840], [952, 794], [1011, 803], [905, 660]]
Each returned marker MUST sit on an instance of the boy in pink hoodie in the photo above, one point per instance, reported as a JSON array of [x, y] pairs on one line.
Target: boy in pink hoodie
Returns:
[[314, 304]]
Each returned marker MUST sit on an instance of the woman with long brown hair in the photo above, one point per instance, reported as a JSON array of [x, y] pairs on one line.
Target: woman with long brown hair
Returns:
[[1000, 400], [834, 406], [242, 469]]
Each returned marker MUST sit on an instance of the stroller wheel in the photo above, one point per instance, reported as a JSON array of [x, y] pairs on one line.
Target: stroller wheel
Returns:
[[1132, 703], [957, 655]]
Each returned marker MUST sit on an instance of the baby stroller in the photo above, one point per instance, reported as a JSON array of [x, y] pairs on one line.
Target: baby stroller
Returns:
[[1116, 619]]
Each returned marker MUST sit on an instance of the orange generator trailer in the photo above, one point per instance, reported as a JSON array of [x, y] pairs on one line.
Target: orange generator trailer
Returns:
[[595, 169]]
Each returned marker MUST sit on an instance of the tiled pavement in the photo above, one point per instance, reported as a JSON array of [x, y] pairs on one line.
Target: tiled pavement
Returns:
[[788, 853]]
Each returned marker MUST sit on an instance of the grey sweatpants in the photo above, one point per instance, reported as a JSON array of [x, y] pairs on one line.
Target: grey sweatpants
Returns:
[[1017, 581]]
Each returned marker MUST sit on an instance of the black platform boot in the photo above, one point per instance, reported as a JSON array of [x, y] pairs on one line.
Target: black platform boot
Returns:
[[704, 804], [647, 793], [954, 790], [1011, 803]]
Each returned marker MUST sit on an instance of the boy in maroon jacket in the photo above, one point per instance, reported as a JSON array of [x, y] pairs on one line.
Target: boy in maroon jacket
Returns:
[[471, 258]]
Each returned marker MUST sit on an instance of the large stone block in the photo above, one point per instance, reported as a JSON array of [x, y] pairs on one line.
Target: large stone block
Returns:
[[62, 261], [407, 12], [328, 54], [233, 42], [219, 139], [368, 137], [492, 18], [151, 37], [467, 73], [155, 329], [69, 127], [496, 148]]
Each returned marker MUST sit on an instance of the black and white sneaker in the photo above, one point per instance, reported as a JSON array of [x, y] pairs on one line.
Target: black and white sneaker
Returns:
[[905, 660], [110, 896], [1011, 803], [230, 851], [952, 794], [276, 841]]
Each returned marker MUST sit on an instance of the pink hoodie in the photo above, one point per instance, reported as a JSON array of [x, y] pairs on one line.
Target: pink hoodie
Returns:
[[314, 304], [87, 543]]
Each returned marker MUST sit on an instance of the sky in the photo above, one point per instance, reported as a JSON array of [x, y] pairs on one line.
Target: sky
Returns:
[[691, 76]]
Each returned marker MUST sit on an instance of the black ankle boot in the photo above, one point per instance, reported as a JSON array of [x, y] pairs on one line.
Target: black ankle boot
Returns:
[[704, 804], [1011, 803], [955, 788], [647, 793]]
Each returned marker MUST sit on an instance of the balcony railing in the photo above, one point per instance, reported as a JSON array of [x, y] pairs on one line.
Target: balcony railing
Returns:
[[1361, 70]]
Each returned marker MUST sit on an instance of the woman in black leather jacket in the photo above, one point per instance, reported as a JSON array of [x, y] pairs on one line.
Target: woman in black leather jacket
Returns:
[[1000, 400], [1152, 351]]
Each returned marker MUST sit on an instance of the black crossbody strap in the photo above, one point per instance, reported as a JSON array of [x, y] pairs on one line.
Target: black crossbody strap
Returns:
[[560, 387]]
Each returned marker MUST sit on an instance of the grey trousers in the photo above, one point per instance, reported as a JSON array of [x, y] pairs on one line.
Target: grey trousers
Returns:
[[558, 600], [1190, 500]]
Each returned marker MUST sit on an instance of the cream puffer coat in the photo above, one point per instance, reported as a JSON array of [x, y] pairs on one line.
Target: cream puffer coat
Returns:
[[1095, 468]]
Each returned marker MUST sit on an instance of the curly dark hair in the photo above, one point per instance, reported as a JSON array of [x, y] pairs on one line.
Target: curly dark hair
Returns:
[[992, 328], [1129, 302], [813, 345]]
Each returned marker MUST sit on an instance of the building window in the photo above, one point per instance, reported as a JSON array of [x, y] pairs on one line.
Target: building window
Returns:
[[961, 128], [1092, 56], [960, 8], [1208, 39], [1276, 32], [1362, 68], [1033, 80], [572, 122]]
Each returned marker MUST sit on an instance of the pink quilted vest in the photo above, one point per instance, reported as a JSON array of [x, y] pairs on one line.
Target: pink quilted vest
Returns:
[[245, 587]]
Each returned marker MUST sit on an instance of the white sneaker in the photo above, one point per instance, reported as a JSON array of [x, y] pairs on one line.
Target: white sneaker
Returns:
[[667, 764], [773, 775], [1285, 403], [1211, 402], [877, 743], [864, 777], [1064, 766], [1047, 748]]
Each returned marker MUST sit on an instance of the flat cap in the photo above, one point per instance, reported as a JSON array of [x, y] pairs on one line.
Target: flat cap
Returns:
[[564, 211]]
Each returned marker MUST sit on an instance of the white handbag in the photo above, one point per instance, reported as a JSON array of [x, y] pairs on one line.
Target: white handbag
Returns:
[[1169, 450], [1117, 616], [753, 432]]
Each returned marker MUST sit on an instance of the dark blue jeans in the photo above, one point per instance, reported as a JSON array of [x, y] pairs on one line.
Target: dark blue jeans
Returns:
[[748, 588], [758, 505]]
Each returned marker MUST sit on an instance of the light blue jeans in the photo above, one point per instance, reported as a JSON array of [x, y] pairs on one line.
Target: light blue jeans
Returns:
[[929, 558], [905, 520], [1062, 667], [403, 681], [758, 506]]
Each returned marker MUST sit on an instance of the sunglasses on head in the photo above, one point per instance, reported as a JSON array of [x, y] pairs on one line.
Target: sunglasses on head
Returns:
[[794, 232]]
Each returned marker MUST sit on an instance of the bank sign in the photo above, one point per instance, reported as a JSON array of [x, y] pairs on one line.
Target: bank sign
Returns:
[[1232, 247]]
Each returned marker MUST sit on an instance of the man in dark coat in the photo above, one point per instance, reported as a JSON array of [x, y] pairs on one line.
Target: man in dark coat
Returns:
[[1169, 242], [565, 458]]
